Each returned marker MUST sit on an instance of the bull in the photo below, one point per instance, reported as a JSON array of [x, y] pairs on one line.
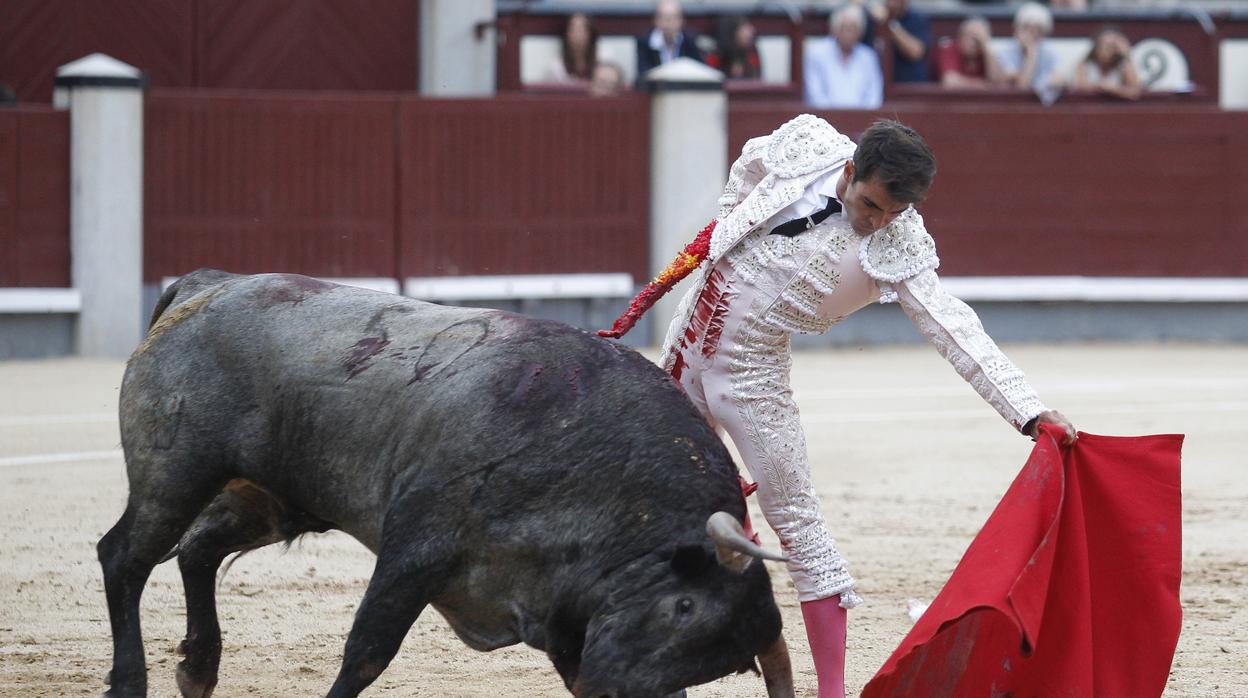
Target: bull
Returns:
[[531, 482]]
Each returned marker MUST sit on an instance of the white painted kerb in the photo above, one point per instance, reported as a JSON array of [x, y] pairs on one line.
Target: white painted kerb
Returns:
[[40, 300]]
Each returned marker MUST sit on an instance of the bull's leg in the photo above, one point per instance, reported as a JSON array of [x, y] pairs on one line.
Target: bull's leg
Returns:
[[146, 531], [242, 517], [398, 591], [390, 607]]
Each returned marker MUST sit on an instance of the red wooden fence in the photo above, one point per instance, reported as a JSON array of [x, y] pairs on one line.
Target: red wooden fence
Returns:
[[525, 186], [393, 186], [274, 44], [1087, 190], [34, 197], [382, 185], [269, 182]]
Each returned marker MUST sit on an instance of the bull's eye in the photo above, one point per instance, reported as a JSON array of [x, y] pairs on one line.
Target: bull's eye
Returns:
[[684, 607]]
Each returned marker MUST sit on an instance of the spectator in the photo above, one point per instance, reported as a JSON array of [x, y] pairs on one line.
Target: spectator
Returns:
[[908, 31], [1108, 69], [608, 80], [841, 72], [736, 53], [967, 62], [667, 40], [1028, 62], [1071, 5], [578, 51]]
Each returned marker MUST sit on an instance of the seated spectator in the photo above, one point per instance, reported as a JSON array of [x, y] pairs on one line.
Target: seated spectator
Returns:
[[608, 80], [968, 62], [578, 52], [1108, 68], [1028, 62], [667, 40], [736, 53], [841, 72], [907, 30]]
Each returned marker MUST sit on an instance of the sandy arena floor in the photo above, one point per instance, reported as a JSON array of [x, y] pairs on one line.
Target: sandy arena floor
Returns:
[[908, 461]]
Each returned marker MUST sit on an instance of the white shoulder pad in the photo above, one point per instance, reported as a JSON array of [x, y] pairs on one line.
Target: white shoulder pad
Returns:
[[803, 145], [899, 251]]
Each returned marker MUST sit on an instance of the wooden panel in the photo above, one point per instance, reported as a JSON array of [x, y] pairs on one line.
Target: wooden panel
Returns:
[[519, 186], [35, 39], [39, 36], [155, 36], [253, 182], [34, 197], [307, 44], [8, 197], [1105, 191]]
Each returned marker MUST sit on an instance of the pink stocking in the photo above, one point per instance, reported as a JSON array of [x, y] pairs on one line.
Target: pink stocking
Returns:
[[825, 628]]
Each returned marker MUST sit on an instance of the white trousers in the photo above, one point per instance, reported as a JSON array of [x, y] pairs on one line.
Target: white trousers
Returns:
[[735, 369]]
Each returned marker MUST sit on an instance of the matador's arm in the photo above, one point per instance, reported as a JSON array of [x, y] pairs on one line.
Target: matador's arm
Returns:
[[956, 332]]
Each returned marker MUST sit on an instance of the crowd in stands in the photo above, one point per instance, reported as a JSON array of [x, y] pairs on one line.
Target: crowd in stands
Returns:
[[844, 70]]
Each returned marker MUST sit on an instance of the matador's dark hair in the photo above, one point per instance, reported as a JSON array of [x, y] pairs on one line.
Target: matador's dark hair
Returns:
[[898, 156]]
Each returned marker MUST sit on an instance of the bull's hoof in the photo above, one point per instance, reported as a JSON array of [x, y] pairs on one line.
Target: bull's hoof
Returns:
[[122, 691], [193, 684]]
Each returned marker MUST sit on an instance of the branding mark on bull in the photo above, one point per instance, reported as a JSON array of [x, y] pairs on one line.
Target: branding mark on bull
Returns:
[[448, 345]]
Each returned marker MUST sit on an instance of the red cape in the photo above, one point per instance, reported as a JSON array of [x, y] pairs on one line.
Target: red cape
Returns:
[[1070, 589]]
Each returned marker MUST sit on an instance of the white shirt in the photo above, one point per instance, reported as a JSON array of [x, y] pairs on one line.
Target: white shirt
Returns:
[[666, 53], [833, 81], [814, 199]]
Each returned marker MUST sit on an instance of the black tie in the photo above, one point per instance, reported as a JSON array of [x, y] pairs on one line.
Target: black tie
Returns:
[[798, 225]]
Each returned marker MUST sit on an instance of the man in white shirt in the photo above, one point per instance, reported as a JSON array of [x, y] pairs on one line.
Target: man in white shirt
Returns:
[[839, 71]]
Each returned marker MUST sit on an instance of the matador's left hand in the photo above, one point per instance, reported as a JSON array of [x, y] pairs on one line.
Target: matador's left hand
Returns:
[[1058, 419]]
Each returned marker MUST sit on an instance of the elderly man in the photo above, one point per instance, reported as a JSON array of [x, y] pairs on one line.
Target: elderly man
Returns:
[[667, 40], [1028, 62], [840, 72]]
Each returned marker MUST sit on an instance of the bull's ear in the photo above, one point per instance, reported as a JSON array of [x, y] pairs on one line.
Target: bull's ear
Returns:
[[691, 560]]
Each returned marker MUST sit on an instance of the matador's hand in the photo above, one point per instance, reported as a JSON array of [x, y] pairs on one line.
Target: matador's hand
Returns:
[[1058, 419]]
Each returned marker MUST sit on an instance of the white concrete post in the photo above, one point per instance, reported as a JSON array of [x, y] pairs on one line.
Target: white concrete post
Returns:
[[105, 99], [688, 166], [454, 62]]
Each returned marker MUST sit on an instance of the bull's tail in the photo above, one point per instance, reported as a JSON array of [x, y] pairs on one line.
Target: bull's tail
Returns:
[[186, 287]]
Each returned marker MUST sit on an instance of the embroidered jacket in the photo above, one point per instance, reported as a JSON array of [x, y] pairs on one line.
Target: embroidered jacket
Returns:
[[803, 272]]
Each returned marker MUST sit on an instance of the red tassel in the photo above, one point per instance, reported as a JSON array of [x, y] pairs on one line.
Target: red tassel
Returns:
[[689, 259]]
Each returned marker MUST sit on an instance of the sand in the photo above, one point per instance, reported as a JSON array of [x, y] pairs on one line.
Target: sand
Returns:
[[908, 462]]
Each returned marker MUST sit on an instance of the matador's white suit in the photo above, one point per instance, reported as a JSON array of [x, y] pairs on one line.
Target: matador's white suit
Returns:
[[728, 345]]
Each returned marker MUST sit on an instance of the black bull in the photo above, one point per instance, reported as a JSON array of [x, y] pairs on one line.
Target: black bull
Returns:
[[531, 482]]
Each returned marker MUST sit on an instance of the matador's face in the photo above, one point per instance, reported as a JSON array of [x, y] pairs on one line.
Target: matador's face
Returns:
[[868, 205]]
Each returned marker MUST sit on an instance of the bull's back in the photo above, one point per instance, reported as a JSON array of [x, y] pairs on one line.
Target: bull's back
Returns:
[[305, 386]]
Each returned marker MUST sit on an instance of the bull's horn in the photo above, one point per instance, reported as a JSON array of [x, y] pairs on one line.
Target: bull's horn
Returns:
[[777, 672], [732, 548]]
